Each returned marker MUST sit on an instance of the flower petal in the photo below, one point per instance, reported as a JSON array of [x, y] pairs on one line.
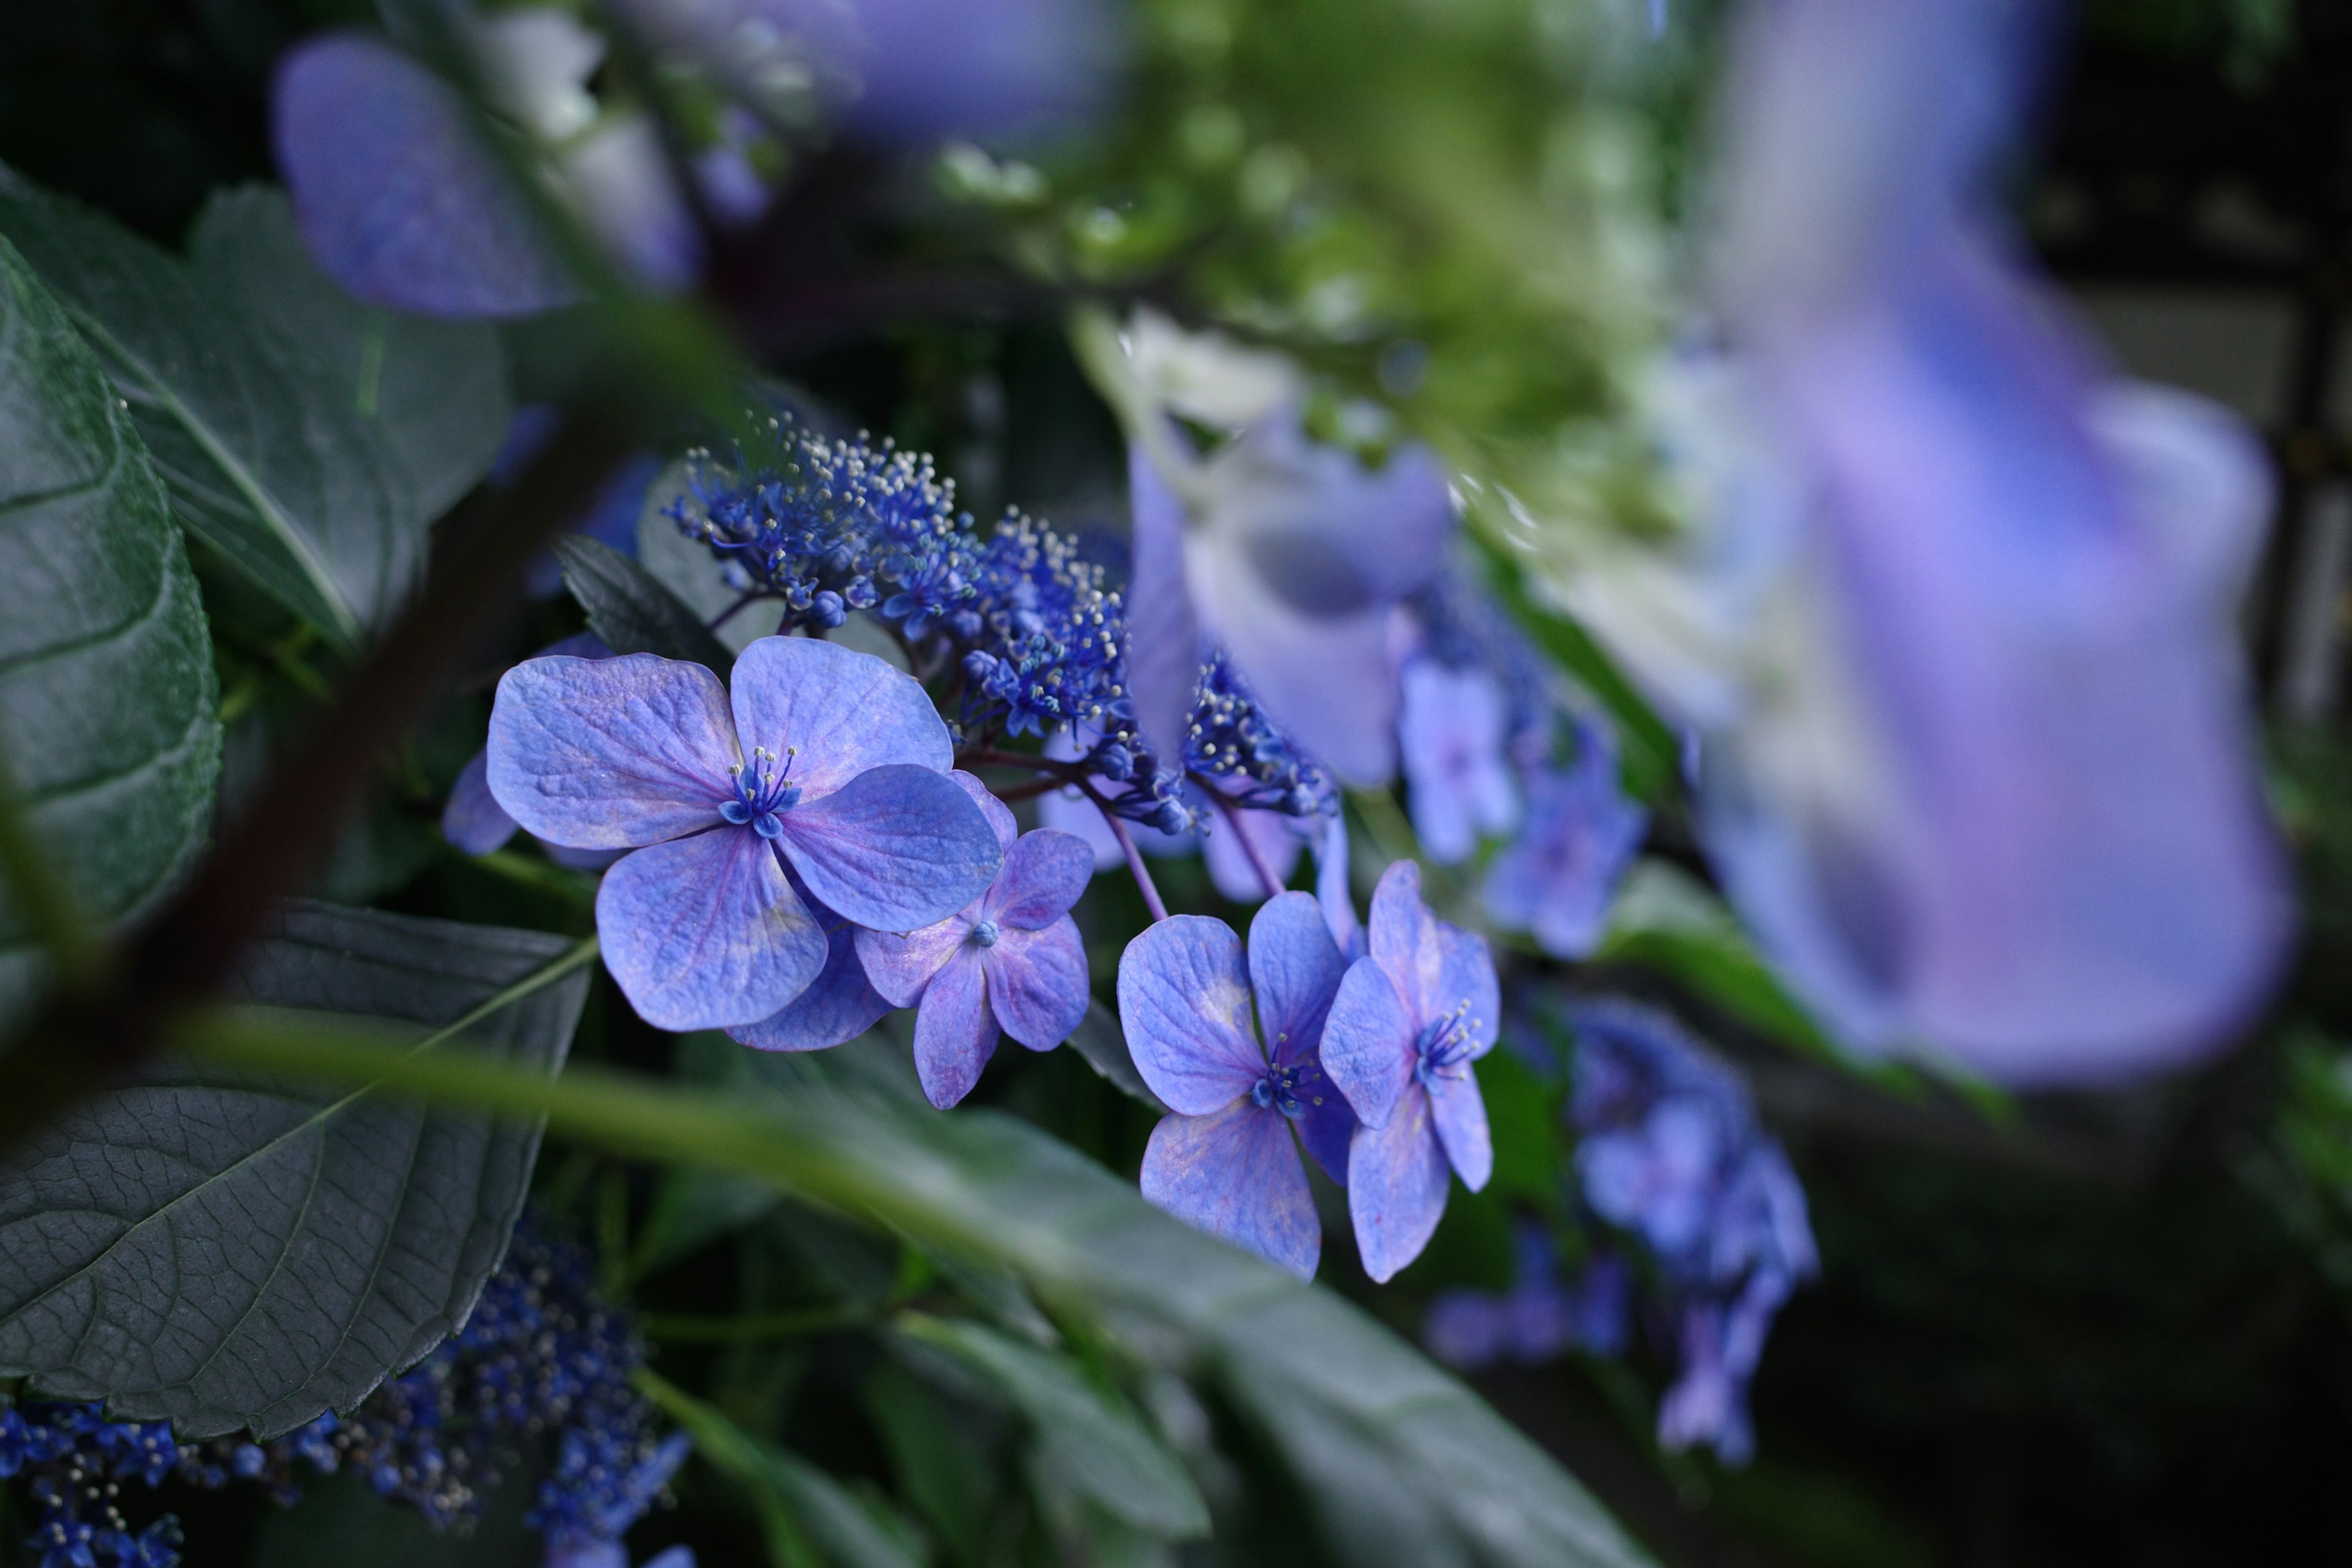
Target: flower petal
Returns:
[[1163, 637], [396, 198], [1332, 892], [1404, 941], [1325, 1120], [1396, 1188], [895, 848], [955, 1033], [474, 821], [1459, 1112], [841, 712], [1230, 867], [611, 754], [1369, 1042], [1295, 969], [1234, 1172], [1184, 1005], [1044, 873], [999, 815], [1037, 983], [1466, 979], [1450, 735], [900, 964], [839, 1005], [704, 932]]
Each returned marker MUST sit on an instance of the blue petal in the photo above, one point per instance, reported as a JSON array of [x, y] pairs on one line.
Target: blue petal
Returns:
[[396, 198], [1184, 1005], [955, 1032], [839, 1005], [1555, 879], [900, 964], [1163, 638], [1459, 1113], [1326, 1123], [895, 848], [1332, 890], [999, 815], [1466, 980], [841, 712], [1405, 941], [611, 754], [1037, 983], [1044, 873], [1369, 1042], [1458, 784], [929, 68], [474, 821], [1396, 1188], [1234, 1172], [1232, 870], [704, 932], [1295, 969]]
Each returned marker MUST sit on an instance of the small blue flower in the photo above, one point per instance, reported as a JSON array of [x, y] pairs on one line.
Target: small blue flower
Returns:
[[1012, 959], [1556, 879], [474, 821], [1224, 1160], [823, 758], [1410, 1018], [1457, 779]]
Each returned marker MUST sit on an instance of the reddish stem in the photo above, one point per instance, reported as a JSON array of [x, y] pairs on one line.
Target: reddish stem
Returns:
[[1233, 816], [1143, 882]]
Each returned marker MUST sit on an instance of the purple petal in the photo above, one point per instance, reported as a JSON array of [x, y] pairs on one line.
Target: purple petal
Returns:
[[895, 848], [900, 964], [1326, 1121], [839, 1005], [1405, 941], [1466, 979], [955, 1033], [841, 712], [1037, 983], [1459, 1113], [999, 815], [1396, 1188], [1333, 892], [1163, 638], [1184, 1007], [1555, 879], [704, 932], [1451, 734], [930, 68], [396, 198], [611, 754], [1369, 1042], [1044, 873], [1232, 870], [1325, 681], [474, 821], [1234, 1173], [1294, 971]]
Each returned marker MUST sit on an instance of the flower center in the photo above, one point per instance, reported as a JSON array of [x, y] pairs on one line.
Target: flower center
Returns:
[[1444, 1045], [762, 792], [986, 934], [1291, 1090]]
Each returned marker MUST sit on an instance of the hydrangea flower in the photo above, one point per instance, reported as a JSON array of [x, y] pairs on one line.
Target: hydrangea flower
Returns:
[[837, 1007], [1540, 1317], [1451, 732], [820, 758], [1223, 1160], [1410, 1018], [1011, 959], [1556, 879]]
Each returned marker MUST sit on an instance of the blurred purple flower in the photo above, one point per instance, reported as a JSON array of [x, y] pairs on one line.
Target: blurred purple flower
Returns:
[[1992, 790], [1556, 879], [1277, 838], [1410, 1018], [1539, 1317], [845, 781], [1012, 959], [1458, 780], [1223, 1161], [929, 68]]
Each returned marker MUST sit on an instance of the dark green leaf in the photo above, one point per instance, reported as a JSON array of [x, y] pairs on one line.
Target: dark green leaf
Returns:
[[630, 610], [1102, 1046], [943, 1466], [228, 1250], [437, 388], [108, 724], [268, 460]]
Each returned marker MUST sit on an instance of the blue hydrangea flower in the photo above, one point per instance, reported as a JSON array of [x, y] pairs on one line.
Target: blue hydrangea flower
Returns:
[[1223, 1161], [1540, 1317], [76, 1462], [1410, 1018], [820, 758], [1452, 732], [1556, 879], [835, 1007], [1012, 959], [475, 821]]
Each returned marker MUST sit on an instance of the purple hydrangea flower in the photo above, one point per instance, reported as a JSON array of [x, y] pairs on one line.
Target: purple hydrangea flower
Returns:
[[1458, 783], [1410, 1018], [837, 1007], [1223, 1161], [1556, 879], [822, 758], [475, 821], [1539, 1317], [1012, 959]]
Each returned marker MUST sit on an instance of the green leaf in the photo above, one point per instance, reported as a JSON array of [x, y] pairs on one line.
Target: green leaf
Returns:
[[268, 460], [438, 389], [1372, 1429], [107, 694], [1100, 1450], [631, 611], [225, 1249], [807, 1517], [942, 1468], [1666, 919], [1099, 1042]]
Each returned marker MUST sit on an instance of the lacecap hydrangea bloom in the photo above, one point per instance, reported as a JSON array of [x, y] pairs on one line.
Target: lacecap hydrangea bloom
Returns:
[[1237, 1090], [1010, 959], [820, 759], [1410, 1018]]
